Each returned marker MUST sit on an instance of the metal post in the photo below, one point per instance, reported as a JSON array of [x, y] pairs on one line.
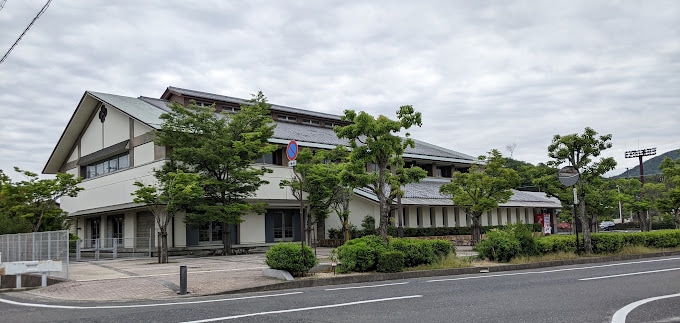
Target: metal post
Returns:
[[182, 280], [576, 221], [49, 245], [115, 248], [96, 249], [150, 236]]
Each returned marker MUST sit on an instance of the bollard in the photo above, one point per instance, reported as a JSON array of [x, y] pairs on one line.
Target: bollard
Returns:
[[182, 280]]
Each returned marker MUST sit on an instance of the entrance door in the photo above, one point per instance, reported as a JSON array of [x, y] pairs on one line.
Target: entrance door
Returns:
[[283, 226], [94, 231]]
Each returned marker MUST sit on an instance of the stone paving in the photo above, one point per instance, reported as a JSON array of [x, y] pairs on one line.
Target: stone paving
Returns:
[[143, 278]]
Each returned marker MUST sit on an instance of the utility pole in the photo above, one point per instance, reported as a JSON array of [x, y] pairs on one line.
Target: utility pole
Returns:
[[639, 154]]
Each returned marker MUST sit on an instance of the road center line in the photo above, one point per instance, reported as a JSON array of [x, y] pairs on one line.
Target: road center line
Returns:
[[553, 270], [305, 309], [72, 307], [632, 274], [620, 315], [359, 287]]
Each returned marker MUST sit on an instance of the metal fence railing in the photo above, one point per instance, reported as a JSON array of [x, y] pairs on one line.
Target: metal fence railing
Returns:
[[113, 248], [37, 246]]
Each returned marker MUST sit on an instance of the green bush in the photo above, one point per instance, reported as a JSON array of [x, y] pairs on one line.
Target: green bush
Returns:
[[416, 252], [607, 242], [499, 245], [361, 254], [288, 256], [526, 240], [556, 243], [442, 248], [390, 262], [446, 231], [665, 239]]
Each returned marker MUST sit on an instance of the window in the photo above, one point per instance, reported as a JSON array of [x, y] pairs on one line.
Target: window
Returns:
[[284, 117], [108, 165], [329, 124], [201, 104], [311, 121]]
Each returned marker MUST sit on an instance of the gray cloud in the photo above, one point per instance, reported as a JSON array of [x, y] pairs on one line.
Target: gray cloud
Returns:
[[485, 74]]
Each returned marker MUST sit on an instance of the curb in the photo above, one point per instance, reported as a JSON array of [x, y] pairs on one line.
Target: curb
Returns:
[[371, 277]]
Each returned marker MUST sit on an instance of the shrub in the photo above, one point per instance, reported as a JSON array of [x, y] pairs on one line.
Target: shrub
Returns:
[[526, 240], [499, 245], [607, 242], [556, 243], [288, 256], [390, 262], [416, 252], [361, 254], [442, 248]]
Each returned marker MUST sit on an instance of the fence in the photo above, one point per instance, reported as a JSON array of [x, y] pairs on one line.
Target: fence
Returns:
[[113, 248], [38, 246]]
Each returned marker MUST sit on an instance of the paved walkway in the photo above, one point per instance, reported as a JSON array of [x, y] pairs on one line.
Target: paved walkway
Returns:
[[143, 278]]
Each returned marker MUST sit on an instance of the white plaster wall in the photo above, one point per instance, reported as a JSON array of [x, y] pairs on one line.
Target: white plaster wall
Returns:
[[74, 155], [140, 128], [252, 230], [116, 127], [92, 138], [412, 216], [359, 208], [144, 153], [129, 228], [272, 190], [72, 171], [111, 189], [180, 231]]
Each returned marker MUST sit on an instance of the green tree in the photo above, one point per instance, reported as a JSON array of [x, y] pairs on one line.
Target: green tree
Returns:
[[632, 198], [601, 202], [319, 173], [482, 188], [221, 148], [670, 201], [32, 203], [578, 151], [172, 193], [375, 143]]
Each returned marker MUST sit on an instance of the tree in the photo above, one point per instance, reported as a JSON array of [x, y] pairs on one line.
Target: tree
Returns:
[[221, 148], [374, 142], [32, 203], [172, 193], [670, 201], [482, 188], [578, 151], [320, 175]]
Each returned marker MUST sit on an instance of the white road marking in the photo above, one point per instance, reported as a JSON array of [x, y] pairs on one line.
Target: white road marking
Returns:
[[359, 287], [304, 309], [72, 307], [632, 274], [553, 270], [620, 315]]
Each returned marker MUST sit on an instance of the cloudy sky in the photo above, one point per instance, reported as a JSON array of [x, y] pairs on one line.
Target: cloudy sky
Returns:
[[484, 74]]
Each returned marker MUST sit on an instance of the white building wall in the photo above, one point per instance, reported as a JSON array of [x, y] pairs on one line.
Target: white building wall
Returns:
[[129, 228], [272, 191], [111, 189], [180, 231], [74, 155], [140, 128], [144, 153], [91, 140], [252, 230], [116, 127]]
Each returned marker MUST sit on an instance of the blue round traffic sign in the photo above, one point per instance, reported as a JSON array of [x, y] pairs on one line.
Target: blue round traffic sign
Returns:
[[292, 150]]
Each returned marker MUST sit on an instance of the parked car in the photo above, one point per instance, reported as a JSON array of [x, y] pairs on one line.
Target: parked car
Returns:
[[607, 225]]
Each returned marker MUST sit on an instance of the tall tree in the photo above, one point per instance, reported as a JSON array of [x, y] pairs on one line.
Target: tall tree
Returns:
[[578, 151], [172, 193], [36, 199], [319, 173], [221, 148], [670, 202], [482, 188], [375, 142]]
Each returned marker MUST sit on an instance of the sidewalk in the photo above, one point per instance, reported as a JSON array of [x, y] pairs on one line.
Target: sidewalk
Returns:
[[143, 278]]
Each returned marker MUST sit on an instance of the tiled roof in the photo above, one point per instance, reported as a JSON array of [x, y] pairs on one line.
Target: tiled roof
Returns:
[[134, 107], [217, 97]]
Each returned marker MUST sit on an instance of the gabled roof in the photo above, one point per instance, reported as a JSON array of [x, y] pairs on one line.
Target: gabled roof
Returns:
[[133, 107], [426, 192], [148, 111], [222, 98]]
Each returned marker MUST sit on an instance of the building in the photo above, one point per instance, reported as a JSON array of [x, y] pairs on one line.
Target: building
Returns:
[[109, 143]]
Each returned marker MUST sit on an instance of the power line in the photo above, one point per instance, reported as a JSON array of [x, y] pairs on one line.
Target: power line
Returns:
[[44, 8]]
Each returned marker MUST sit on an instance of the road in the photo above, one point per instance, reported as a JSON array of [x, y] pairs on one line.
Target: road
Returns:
[[629, 291]]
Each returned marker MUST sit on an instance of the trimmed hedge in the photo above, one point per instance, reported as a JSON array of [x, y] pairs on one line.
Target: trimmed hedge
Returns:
[[446, 231], [365, 254], [390, 262], [287, 256], [499, 245]]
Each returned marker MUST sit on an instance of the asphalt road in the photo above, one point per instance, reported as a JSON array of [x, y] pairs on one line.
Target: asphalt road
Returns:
[[645, 290]]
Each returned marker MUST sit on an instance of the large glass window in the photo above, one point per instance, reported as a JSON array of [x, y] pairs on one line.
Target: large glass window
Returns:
[[108, 165]]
